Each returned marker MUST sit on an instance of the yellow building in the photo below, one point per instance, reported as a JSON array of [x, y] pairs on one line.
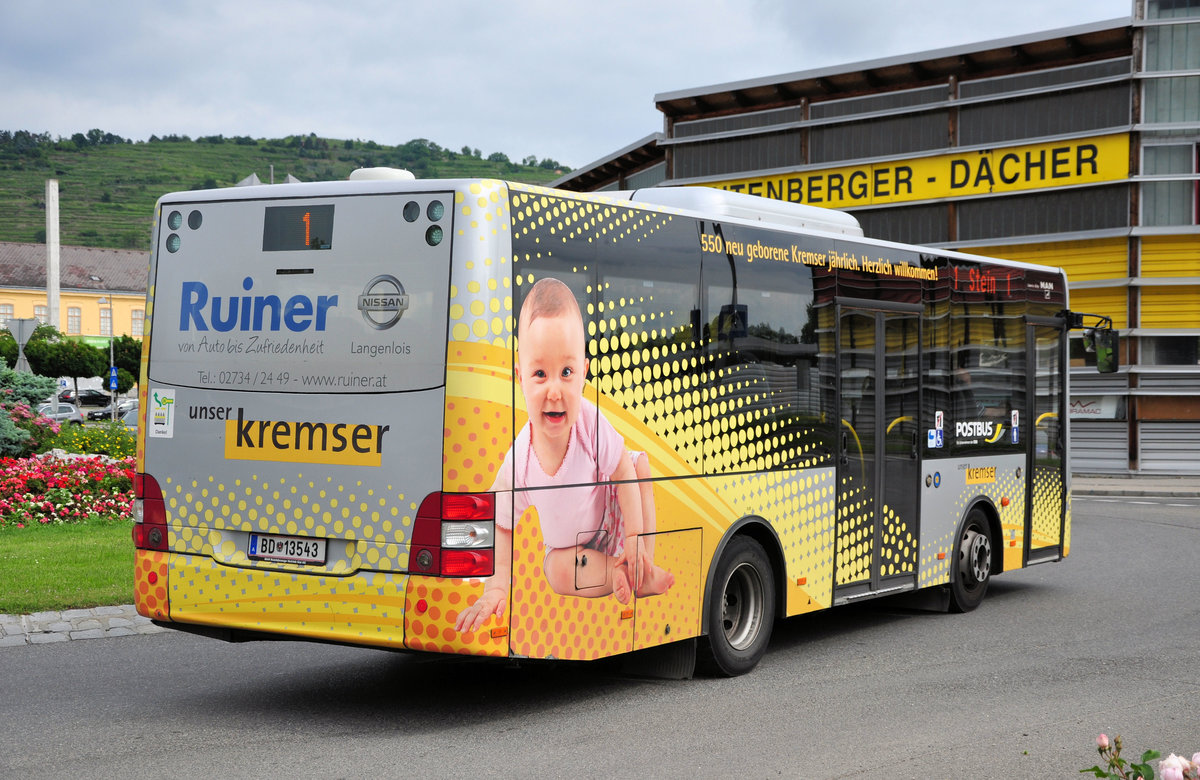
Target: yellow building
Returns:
[[102, 292]]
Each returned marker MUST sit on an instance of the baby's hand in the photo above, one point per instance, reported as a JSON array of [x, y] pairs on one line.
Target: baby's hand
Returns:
[[636, 559], [492, 602]]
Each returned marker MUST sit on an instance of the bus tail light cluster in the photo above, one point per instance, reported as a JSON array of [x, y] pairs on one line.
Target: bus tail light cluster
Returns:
[[454, 535], [149, 514]]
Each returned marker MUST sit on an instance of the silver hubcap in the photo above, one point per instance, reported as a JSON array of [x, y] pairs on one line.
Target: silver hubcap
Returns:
[[976, 554], [742, 606]]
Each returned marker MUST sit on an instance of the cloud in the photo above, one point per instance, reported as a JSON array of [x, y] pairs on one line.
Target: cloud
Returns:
[[571, 81]]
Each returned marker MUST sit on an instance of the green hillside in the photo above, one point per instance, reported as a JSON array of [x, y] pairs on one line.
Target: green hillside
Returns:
[[108, 185]]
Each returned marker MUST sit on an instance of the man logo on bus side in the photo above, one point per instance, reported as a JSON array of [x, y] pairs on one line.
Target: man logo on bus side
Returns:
[[377, 297]]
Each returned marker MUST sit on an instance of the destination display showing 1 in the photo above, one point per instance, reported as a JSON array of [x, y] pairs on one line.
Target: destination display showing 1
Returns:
[[290, 228]]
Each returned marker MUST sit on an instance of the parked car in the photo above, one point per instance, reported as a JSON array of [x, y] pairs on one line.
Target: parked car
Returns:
[[67, 413], [106, 413], [130, 419], [87, 397]]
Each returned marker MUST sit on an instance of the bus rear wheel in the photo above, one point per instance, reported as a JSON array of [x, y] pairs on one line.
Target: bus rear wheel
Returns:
[[741, 610], [972, 563]]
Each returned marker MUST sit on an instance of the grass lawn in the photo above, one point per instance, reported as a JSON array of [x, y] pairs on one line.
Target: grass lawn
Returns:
[[57, 567]]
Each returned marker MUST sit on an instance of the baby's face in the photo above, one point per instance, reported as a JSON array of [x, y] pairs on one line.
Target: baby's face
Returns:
[[551, 369]]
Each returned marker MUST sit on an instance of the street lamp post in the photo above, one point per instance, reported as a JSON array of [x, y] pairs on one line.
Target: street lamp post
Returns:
[[112, 385]]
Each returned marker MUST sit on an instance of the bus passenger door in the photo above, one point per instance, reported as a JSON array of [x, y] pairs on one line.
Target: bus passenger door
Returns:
[[879, 388], [1046, 508]]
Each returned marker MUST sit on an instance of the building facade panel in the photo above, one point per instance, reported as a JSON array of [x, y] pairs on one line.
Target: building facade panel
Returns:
[[1056, 113], [1171, 255], [1092, 259]]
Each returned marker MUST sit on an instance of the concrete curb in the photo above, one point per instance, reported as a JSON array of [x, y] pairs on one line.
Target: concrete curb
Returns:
[[42, 628], [1135, 493]]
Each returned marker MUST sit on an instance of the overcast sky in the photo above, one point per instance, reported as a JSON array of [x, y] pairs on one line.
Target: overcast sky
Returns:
[[572, 81]]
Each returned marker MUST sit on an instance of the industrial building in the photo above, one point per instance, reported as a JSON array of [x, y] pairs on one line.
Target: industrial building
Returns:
[[1076, 147]]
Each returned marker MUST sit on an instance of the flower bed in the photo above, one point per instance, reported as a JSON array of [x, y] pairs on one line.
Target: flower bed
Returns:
[[58, 489]]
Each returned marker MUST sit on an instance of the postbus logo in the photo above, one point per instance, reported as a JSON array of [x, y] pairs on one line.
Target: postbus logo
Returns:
[[383, 302]]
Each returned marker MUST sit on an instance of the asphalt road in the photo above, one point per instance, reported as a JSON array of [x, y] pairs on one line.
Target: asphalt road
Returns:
[[1107, 641]]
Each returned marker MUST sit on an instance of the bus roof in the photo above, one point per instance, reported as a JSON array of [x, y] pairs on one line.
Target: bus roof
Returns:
[[702, 202]]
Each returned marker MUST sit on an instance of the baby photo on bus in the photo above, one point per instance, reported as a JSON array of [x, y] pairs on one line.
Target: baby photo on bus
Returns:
[[593, 497]]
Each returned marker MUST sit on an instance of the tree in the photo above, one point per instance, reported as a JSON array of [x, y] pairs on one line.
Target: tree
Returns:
[[498, 157], [127, 355], [125, 381], [66, 358]]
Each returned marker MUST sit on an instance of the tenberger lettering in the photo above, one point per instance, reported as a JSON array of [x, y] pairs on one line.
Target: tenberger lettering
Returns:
[[345, 444], [200, 311], [1005, 169]]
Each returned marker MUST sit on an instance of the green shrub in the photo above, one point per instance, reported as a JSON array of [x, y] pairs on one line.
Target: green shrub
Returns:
[[24, 386], [14, 441]]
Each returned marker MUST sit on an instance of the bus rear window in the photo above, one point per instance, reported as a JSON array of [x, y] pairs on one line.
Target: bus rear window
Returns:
[[243, 303]]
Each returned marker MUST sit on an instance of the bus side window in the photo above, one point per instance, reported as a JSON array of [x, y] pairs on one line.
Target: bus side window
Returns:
[[761, 334]]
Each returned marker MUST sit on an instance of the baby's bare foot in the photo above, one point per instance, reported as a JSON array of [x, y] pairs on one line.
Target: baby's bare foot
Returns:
[[656, 582]]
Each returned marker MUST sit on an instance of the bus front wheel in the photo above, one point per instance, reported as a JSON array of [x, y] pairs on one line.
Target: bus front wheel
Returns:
[[972, 563], [741, 609]]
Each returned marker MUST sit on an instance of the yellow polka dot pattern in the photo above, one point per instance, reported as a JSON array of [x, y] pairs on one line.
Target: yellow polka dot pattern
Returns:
[[1047, 507], [150, 584], [212, 518], [935, 570], [545, 624], [801, 505], [364, 609], [479, 416], [481, 302], [1067, 527], [433, 605], [854, 534], [898, 547]]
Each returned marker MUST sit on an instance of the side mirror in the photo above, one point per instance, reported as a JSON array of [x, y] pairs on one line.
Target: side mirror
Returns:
[[1107, 359]]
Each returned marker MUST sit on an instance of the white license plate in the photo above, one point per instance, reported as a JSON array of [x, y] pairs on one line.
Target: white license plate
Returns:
[[296, 549]]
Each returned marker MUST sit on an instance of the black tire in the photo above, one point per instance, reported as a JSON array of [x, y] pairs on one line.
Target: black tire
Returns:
[[972, 563], [741, 608]]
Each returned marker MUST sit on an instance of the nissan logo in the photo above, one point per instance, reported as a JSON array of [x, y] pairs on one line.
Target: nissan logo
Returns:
[[385, 296]]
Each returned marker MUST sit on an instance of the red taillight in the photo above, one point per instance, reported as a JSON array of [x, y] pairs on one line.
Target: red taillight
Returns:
[[468, 506], [467, 563], [150, 514], [427, 555]]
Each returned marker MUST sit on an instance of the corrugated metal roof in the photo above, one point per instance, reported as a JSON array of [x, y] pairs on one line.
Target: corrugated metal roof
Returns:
[[1042, 49]]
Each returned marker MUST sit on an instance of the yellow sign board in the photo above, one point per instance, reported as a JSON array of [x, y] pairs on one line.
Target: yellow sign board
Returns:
[[955, 175], [981, 475], [341, 444]]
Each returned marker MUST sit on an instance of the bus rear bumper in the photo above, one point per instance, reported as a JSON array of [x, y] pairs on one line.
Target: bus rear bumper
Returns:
[[196, 594]]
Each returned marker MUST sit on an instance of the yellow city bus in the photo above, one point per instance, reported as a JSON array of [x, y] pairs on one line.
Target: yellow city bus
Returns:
[[489, 418]]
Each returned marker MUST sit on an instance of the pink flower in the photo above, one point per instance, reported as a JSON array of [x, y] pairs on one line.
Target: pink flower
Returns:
[[1172, 767], [1102, 741]]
